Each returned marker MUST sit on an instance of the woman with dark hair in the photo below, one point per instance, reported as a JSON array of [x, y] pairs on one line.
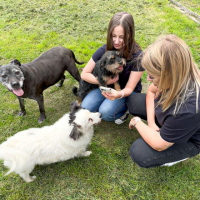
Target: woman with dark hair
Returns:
[[171, 106], [120, 37]]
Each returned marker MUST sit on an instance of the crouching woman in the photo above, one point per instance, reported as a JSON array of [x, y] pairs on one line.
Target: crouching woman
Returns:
[[171, 106]]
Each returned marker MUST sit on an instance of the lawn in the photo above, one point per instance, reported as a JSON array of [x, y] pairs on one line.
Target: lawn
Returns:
[[29, 28]]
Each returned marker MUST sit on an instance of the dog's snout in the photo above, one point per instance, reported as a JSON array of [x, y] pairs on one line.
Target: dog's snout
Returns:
[[15, 84], [100, 115], [123, 62]]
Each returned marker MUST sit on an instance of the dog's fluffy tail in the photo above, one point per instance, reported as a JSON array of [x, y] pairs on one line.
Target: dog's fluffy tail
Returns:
[[80, 63], [75, 91], [13, 158]]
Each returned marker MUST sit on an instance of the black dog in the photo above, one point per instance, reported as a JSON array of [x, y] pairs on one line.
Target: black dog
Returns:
[[31, 79], [110, 65]]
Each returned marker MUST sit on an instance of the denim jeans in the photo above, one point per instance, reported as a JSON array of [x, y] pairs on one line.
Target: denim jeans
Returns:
[[142, 154], [110, 110]]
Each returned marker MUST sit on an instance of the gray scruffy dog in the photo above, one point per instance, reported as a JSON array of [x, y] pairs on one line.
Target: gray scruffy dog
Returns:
[[31, 79], [110, 65]]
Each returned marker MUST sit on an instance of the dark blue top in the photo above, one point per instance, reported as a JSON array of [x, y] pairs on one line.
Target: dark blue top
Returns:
[[131, 65], [184, 126]]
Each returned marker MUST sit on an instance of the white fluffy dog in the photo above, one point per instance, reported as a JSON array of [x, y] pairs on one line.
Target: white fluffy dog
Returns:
[[66, 139]]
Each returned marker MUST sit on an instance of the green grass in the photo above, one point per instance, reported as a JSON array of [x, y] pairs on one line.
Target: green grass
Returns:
[[27, 29]]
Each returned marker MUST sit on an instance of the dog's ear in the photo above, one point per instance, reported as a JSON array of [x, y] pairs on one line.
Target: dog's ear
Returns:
[[75, 134], [15, 62], [74, 106], [103, 62]]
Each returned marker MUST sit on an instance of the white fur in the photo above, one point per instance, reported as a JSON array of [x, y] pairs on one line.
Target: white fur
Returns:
[[9, 86], [48, 144]]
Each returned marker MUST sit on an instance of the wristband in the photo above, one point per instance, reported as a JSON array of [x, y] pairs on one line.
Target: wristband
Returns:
[[122, 95], [136, 121]]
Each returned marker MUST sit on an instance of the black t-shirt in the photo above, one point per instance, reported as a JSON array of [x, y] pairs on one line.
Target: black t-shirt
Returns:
[[184, 126], [131, 65]]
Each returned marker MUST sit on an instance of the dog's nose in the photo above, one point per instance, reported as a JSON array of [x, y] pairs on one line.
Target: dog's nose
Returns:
[[100, 115], [15, 84]]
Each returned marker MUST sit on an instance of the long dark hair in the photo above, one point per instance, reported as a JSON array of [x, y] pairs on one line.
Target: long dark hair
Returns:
[[125, 20]]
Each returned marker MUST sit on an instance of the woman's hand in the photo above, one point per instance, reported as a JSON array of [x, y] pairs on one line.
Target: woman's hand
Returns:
[[112, 80], [154, 127], [131, 123], [113, 95]]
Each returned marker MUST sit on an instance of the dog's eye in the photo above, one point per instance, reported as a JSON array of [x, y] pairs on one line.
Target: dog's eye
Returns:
[[4, 76], [17, 73], [90, 119]]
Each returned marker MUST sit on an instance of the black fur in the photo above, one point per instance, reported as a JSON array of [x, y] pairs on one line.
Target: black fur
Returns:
[[76, 133], [74, 108], [105, 68], [16, 62], [34, 77]]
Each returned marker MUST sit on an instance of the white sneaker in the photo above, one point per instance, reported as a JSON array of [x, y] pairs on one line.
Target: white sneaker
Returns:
[[123, 118], [173, 163]]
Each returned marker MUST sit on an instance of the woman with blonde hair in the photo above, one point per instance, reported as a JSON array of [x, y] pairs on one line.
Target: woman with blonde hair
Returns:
[[171, 106]]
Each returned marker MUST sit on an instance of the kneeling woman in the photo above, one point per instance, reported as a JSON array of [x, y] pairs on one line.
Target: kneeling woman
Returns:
[[171, 106]]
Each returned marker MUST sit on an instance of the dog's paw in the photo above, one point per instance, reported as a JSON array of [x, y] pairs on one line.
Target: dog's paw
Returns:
[[41, 119], [33, 177], [59, 85], [21, 113], [29, 179], [87, 153]]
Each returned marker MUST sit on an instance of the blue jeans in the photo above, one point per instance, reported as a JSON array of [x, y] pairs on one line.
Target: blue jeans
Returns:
[[110, 110]]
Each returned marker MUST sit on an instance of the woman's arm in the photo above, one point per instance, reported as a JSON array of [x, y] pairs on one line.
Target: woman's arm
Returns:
[[130, 86], [87, 75], [151, 92], [151, 137], [133, 80], [150, 133]]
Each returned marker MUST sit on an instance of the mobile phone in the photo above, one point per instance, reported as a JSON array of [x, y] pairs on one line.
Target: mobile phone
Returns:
[[105, 89]]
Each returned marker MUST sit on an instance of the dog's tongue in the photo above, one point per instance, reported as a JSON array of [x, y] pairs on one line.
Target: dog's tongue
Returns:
[[18, 92], [120, 67]]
